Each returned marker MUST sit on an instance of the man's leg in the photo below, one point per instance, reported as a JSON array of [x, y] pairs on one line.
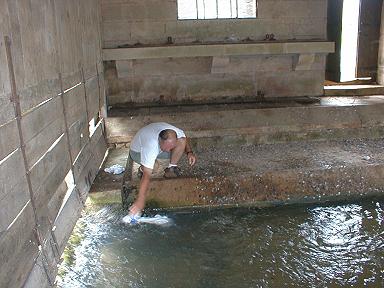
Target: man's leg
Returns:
[[136, 157], [176, 154]]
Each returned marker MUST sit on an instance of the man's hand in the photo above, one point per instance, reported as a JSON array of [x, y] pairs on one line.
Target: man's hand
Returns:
[[136, 208], [191, 158]]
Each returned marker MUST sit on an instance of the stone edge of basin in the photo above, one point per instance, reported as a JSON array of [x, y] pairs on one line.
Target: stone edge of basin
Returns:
[[272, 188]]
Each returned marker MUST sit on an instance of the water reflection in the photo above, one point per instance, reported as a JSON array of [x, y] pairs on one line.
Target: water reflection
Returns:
[[330, 246]]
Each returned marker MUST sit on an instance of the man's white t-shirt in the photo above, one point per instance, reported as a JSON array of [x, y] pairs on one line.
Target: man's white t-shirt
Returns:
[[146, 142]]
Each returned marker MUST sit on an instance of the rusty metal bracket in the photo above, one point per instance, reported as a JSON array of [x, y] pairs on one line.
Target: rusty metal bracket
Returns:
[[62, 93], [15, 99], [83, 80]]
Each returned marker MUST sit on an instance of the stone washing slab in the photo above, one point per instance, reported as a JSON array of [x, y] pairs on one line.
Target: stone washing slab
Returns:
[[224, 49], [265, 175]]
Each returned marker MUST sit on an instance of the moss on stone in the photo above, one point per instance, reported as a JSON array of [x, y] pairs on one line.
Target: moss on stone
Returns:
[[69, 256], [109, 197]]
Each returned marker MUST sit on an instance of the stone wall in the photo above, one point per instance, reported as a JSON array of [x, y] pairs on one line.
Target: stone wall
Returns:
[[52, 104], [369, 34], [208, 79], [152, 21]]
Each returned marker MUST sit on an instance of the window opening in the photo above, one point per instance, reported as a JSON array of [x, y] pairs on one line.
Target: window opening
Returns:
[[216, 9]]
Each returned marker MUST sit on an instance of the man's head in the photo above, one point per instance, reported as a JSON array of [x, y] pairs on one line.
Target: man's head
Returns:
[[167, 140]]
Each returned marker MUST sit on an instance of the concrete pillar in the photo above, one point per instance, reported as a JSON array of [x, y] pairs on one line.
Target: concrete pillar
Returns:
[[380, 60]]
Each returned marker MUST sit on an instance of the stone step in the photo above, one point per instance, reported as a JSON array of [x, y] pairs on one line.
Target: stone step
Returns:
[[269, 174], [330, 118], [353, 90]]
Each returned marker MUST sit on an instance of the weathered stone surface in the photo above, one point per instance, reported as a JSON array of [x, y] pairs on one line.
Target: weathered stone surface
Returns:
[[257, 64], [353, 90], [187, 88], [295, 83], [188, 73], [226, 49], [128, 23], [305, 62], [333, 118], [163, 67], [138, 10], [107, 186], [271, 174], [292, 8]]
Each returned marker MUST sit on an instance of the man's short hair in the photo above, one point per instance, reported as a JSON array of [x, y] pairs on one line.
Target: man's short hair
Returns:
[[166, 134]]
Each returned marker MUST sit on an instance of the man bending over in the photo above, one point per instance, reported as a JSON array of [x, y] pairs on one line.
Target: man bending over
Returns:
[[157, 140]]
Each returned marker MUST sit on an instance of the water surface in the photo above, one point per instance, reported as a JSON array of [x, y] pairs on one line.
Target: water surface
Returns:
[[338, 245]]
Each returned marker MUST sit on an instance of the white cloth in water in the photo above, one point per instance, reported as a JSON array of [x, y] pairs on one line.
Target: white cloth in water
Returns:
[[115, 169], [157, 219]]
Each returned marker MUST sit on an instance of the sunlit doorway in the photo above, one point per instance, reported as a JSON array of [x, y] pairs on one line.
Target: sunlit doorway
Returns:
[[349, 40]]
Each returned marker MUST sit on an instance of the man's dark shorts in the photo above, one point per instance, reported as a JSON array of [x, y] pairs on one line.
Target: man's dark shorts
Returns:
[[136, 156]]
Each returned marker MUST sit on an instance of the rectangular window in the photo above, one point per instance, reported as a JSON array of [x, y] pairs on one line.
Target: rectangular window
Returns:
[[216, 9]]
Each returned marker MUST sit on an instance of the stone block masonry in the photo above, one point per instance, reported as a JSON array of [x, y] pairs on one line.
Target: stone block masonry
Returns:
[[154, 75]]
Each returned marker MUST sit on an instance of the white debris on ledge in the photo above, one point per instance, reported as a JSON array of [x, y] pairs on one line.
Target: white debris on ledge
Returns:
[[115, 169]]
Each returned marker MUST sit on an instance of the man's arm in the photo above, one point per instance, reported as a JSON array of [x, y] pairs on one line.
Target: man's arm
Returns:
[[188, 150], [138, 206]]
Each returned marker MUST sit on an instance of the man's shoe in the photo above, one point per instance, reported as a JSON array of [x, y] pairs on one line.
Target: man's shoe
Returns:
[[172, 172], [140, 172]]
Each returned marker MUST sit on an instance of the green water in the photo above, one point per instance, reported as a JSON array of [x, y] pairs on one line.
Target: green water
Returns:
[[339, 245]]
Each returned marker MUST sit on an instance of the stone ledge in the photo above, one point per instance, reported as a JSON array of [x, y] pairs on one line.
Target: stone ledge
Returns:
[[227, 49], [333, 118], [277, 173]]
